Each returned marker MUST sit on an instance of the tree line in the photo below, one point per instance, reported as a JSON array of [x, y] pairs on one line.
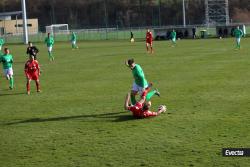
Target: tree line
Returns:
[[121, 13]]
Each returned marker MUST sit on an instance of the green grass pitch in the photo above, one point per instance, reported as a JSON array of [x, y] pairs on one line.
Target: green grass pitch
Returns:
[[78, 120]]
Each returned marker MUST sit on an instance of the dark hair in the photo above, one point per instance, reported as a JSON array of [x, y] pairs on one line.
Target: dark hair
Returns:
[[130, 61], [145, 107], [5, 49]]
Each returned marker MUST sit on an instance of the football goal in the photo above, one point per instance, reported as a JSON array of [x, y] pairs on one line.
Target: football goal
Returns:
[[57, 29]]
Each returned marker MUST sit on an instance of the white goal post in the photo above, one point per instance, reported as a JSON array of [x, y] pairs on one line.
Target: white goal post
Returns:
[[58, 29]]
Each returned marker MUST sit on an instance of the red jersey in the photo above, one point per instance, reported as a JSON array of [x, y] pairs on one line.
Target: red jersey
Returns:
[[149, 37], [139, 113], [31, 67]]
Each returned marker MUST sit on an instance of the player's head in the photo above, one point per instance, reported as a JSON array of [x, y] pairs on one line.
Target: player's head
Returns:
[[148, 30], [238, 27], [6, 50], [30, 43], [130, 63], [146, 105]]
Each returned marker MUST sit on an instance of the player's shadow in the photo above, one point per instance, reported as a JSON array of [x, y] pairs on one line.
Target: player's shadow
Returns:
[[112, 117], [12, 94]]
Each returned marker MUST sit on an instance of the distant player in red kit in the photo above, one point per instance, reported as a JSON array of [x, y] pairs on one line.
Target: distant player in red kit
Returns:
[[32, 72], [149, 41]]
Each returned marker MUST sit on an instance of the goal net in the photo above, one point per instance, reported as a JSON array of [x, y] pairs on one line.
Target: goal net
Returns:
[[57, 29]]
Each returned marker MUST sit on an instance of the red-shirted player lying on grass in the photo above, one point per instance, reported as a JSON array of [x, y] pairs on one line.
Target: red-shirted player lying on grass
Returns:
[[32, 72], [141, 108]]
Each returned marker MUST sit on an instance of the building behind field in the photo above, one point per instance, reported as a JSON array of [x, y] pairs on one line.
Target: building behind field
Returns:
[[15, 27]]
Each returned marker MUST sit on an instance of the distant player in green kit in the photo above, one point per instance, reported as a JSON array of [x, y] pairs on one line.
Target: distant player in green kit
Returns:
[[140, 83], [49, 40], [1, 43], [238, 34], [173, 38], [73, 40], [7, 61]]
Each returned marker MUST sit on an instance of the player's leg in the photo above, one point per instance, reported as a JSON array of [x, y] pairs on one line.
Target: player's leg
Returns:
[[151, 47], [147, 46], [9, 76], [51, 57], [11, 82], [28, 86], [132, 97], [238, 43], [135, 89], [37, 85], [151, 94]]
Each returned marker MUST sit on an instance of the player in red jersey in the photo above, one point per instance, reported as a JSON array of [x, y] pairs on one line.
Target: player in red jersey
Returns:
[[32, 72], [149, 41], [141, 108]]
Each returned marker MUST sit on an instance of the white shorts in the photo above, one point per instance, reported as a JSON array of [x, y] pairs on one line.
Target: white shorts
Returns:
[[238, 40], [8, 72], [137, 88], [74, 42], [50, 48]]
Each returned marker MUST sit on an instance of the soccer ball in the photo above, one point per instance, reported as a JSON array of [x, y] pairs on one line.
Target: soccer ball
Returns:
[[162, 107]]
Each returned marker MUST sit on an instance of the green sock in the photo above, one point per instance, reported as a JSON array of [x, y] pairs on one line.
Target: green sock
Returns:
[[11, 82], [150, 95], [133, 100], [51, 56]]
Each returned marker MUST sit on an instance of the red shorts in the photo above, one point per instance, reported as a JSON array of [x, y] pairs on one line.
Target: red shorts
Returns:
[[149, 41], [33, 76]]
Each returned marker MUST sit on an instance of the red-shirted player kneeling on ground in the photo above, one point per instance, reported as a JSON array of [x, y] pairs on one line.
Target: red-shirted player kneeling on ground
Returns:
[[32, 72], [141, 108]]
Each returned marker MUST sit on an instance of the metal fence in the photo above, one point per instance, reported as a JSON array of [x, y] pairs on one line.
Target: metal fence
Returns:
[[105, 34]]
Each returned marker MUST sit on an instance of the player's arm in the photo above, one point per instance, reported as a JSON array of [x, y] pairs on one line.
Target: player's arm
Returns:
[[27, 51], [126, 103], [11, 60], [36, 50]]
